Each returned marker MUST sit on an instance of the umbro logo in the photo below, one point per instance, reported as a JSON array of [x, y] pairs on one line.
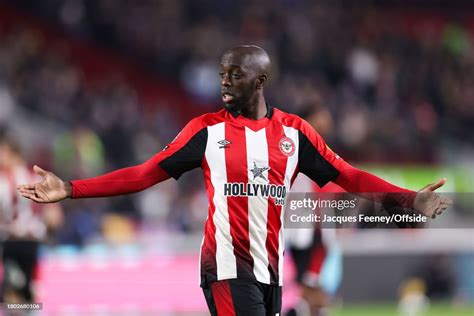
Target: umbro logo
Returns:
[[224, 143]]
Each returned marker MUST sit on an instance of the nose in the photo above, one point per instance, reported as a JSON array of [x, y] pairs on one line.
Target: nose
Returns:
[[225, 80]]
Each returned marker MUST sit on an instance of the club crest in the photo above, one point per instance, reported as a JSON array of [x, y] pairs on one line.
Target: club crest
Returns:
[[287, 146]]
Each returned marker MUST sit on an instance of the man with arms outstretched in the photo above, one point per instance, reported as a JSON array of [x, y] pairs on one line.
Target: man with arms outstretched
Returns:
[[250, 153]]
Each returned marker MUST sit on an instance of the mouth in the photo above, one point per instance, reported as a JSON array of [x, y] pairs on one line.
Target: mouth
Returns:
[[227, 97]]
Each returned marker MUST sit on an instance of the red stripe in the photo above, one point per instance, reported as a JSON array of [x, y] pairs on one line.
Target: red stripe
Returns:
[[277, 162], [317, 259], [208, 250], [223, 298], [236, 166]]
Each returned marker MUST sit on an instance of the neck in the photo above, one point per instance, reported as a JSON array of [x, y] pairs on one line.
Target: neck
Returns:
[[257, 108]]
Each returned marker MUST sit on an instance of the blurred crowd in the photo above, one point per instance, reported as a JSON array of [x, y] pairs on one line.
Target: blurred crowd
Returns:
[[396, 83]]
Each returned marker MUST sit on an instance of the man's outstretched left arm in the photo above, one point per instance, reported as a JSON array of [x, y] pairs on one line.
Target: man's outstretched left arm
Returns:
[[425, 201], [322, 165]]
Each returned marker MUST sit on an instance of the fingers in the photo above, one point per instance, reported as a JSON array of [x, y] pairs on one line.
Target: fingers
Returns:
[[27, 186], [445, 200], [437, 185], [30, 194], [39, 171], [444, 203], [29, 191], [443, 206], [25, 189], [440, 210]]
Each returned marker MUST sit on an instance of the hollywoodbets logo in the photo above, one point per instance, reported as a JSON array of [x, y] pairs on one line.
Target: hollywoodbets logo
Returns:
[[277, 192]]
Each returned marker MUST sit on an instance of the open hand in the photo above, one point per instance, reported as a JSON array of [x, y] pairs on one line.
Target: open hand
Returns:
[[51, 189], [429, 203]]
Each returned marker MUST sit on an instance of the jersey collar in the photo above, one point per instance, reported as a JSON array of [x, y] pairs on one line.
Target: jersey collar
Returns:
[[236, 113]]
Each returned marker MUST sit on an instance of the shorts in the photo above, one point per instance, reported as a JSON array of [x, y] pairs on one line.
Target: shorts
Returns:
[[19, 259], [243, 297]]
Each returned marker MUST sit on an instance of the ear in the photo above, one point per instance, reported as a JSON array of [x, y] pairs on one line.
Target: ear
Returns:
[[261, 80]]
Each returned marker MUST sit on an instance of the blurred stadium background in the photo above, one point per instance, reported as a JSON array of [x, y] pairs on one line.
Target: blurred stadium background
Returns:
[[90, 86]]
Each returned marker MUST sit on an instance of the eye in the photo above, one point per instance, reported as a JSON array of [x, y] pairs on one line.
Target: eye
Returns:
[[236, 75], [221, 74]]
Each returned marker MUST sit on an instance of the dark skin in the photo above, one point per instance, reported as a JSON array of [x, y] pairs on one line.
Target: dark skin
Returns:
[[244, 70]]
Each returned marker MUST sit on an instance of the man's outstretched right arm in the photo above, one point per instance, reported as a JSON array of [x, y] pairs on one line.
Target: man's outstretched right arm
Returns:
[[122, 181], [184, 153]]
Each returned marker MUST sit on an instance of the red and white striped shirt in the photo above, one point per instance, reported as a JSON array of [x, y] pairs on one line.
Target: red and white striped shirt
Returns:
[[249, 166], [22, 216]]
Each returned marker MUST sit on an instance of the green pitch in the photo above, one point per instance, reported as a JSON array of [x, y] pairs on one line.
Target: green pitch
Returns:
[[391, 310]]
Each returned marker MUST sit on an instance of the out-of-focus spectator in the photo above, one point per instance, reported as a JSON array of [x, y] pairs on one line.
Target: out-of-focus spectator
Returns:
[[23, 225]]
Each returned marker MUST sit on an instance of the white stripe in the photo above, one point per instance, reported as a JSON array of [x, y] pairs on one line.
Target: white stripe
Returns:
[[257, 156], [215, 157], [291, 164], [200, 255], [6, 203]]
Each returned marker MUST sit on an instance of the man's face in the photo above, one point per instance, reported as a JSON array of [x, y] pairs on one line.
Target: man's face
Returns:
[[238, 82]]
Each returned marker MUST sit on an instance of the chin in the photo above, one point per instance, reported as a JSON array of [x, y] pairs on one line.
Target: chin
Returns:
[[231, 106]]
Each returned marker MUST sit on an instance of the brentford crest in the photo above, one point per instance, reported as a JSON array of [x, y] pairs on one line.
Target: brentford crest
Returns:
[[287, 146]]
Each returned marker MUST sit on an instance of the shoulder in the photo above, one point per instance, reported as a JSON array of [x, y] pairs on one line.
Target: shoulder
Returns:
[[305, 129], [205, 120], [290, 120]]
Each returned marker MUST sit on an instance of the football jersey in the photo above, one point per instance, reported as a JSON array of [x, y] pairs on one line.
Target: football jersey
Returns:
[[249, 166], [21, 215]]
